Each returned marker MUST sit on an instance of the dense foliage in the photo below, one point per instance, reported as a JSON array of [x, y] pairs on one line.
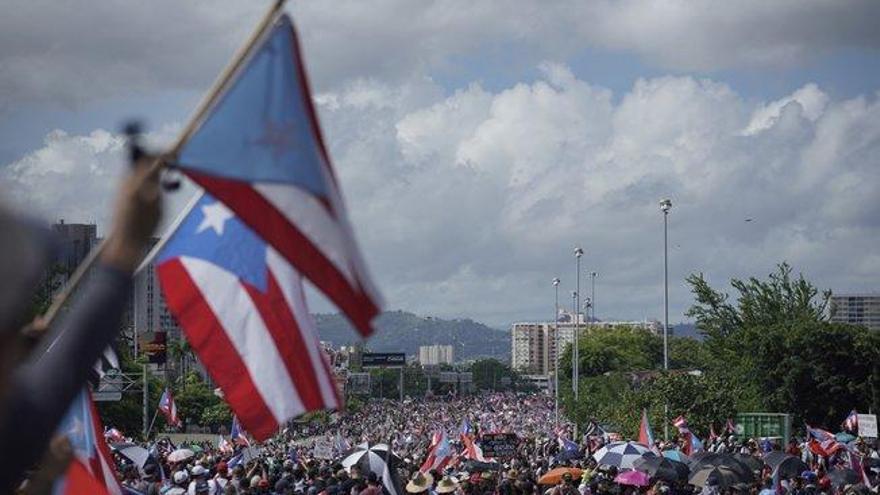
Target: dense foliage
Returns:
[[772, 350]]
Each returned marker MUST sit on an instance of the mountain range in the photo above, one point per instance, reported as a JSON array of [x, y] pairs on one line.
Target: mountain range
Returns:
[[400, 331]]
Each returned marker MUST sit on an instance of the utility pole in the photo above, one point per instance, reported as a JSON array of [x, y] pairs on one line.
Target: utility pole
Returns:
[[665, 206]]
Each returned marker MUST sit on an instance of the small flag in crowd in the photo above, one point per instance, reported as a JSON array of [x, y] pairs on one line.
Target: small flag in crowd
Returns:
[[851, 423], [567, 450], [472, 451], [712, 435], [823, 443], [92, 469], [239, 436], [466, 428], [646, 436], [259, 150], [113, 435], [169, 409], [692, 442], [244, 312], [224, 445], [730, 427], [439, 454]]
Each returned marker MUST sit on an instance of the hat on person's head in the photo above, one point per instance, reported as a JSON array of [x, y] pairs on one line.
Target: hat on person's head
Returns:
[[419, 482], [180, 477], [447, 485], [199, 470]]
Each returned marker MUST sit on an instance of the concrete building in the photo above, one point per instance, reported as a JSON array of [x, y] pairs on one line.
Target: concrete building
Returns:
[[534, 345], [857, 309], [432, 355], [75, 240]]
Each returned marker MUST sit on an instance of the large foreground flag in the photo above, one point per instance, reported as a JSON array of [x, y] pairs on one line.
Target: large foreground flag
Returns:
[[242, 307], [92, 467], [260, 151], [168, 408]]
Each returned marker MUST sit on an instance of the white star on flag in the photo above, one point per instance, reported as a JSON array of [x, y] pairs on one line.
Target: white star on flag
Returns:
[[216, 215]]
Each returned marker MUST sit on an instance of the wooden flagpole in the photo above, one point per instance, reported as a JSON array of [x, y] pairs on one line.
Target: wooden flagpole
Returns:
[[166, 159]]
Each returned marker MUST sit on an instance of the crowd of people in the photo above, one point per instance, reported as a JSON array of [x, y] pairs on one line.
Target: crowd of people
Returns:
[[542, 463]]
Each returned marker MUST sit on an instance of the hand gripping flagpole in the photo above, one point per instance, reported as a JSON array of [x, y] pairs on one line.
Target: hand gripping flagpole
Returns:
[[166, 160]]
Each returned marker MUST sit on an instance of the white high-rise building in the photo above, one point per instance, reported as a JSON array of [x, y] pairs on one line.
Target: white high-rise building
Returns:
[[432, 355], [856, 309], [534, 350]]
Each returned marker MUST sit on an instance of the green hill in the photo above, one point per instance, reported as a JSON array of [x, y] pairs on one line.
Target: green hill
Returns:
[[399, 331]]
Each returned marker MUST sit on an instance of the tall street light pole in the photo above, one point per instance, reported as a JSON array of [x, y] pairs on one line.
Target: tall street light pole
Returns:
[[556, 350], [578, 252], [574, 366], [665, 206], [593, 295]]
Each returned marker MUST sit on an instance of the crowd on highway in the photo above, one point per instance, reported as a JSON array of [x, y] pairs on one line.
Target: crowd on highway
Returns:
[[346, 454]]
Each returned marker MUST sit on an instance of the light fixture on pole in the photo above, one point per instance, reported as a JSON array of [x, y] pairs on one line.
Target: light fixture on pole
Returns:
[[578, 253], [556, 282], [665, 206]]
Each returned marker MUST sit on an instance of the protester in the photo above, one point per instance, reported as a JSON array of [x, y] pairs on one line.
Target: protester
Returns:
[[40, 383]]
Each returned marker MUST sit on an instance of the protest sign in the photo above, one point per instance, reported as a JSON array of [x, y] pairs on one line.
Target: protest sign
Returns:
[[868, 425], [499, 445]]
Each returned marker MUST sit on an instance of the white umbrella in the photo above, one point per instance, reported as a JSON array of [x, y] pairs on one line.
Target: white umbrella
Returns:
[[620, 454], [181, 455]]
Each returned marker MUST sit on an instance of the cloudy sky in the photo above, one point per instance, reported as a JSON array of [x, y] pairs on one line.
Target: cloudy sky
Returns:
[[479, 142]]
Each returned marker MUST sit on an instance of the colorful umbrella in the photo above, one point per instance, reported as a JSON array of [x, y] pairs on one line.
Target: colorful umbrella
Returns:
[[676, 455], [633, 478], [554, 476]]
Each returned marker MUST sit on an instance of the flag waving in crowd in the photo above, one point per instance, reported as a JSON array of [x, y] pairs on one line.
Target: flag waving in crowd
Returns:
[[92, 469], [646, 436], [259, 150], [168, 408]]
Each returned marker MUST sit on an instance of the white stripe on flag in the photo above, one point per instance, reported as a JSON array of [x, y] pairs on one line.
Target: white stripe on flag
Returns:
[[291, 283], [242, 323], [312, 219]]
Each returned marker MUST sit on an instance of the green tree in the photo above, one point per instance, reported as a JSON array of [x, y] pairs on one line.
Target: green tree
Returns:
[[779, 353], [489, 374]]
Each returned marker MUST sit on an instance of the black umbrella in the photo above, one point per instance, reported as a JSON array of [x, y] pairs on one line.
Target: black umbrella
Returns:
[[376, 458], [721, 476], [843, 477], [722, 460], [788, 466], [662, 468], [751, 461]]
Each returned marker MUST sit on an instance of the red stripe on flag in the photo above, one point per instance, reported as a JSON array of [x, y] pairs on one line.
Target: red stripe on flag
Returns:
[[287, 335], [215, 350], [292, 244]]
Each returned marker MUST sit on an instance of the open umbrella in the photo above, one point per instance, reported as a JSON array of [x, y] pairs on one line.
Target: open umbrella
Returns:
[[843, 477], [788, 466], [378, 459], [181, 455], [554, 476], [135, 453], [844, 437], [722, 460], [676, 455], [751, 461], [620, 454], [633, 478], [662, 468], [722, 476]]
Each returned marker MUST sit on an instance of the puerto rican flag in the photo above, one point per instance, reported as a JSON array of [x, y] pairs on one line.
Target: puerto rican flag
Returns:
[[646, 436], [823, 443], [238, 435], [92, 468], [168, 408], [259, 150], [851, 423], [242, 307], [113, 435], [439, 454], [224, 445], [472, 451]]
